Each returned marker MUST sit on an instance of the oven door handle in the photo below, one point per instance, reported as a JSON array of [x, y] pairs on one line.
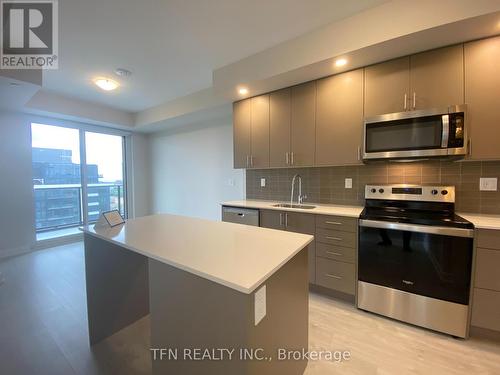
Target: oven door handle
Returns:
[[443, 231]]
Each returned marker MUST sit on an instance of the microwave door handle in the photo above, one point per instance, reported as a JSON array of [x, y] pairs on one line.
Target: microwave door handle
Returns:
[[445, 119]]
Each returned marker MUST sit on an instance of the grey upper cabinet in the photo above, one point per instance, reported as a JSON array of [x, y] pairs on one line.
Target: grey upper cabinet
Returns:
[[339, 119], [482, 86], [259, 145], [241, 133], [251, 132], [303, 124], [437, 78], [387, 87], [280, 115]]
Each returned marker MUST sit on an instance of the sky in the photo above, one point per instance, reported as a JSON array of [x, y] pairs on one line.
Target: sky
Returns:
[[102, 149]]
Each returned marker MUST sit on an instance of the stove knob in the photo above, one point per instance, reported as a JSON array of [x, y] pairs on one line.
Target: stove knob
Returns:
[[444, 192], [434, 192], [381, 191], [373, 190]]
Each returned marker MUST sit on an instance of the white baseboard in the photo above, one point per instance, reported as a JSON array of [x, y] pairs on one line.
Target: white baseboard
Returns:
[[14, 252], [41, 245]]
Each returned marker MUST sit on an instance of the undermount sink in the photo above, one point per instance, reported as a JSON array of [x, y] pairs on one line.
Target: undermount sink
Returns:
[[288, 205]]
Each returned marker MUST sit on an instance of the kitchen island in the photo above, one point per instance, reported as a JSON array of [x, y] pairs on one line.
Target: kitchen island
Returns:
[[209, 286]]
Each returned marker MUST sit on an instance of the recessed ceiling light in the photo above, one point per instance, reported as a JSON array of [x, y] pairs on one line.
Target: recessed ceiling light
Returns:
[[123, 72], [340, 62], [243, 91], [106, 84]]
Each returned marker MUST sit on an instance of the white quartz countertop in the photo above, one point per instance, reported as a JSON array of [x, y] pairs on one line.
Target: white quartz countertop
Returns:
[[481, 221], [238, 256], [322, 209]]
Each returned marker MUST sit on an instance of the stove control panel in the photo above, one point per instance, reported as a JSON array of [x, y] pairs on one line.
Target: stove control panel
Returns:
[[411, 193]]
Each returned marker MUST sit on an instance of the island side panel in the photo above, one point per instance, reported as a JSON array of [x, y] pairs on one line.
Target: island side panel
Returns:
[[117, 282], [189, 312], [286, 326]]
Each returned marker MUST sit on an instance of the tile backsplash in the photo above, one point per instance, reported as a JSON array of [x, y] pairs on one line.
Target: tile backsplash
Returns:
[[327, 184]]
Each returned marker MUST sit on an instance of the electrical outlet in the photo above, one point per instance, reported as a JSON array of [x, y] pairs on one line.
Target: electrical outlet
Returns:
[[488, 184], [348, 183], [262, 182], [230, 182]]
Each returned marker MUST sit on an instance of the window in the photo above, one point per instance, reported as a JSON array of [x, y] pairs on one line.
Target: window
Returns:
[[67, 195]]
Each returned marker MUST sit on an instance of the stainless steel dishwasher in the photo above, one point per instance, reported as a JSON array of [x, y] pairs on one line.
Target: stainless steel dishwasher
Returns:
[[239, 215]]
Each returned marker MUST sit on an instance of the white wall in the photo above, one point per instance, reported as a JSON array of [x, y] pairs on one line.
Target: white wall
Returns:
[[139, 176], [191, 170], [17, 233]]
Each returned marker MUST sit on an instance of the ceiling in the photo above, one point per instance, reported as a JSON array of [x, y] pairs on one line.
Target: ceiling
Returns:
[[172, 47]]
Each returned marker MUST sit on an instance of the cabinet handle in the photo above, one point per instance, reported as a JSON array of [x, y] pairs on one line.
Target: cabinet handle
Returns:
[[287, 156], [248, 164], [251, 160], [406, 101], [359, 153], [333, 238], [286, 220], [414, 100], [333, 222], [334, 276], [281, 219], [334, 253], [291, 158]]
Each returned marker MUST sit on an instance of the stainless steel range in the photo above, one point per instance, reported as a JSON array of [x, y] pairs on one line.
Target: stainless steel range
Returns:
[[415, 257]]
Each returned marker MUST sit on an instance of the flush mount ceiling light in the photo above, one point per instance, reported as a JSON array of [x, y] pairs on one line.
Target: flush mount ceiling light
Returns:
[[243, 91], [106, 84], [340, 62]]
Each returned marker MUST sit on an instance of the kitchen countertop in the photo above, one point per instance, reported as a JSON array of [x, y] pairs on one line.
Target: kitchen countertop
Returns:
[[238, 256], [321, 209], [483, 221], [480, 221]]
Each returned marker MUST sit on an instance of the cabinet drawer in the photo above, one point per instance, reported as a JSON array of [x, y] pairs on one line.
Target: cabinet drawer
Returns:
[[489, 239], [486, 309], [344, 254], [335, 275], [346, 224], [336, 237], [487, 266]]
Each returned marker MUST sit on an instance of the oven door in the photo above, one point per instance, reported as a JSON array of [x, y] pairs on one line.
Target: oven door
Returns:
[[425, 260]]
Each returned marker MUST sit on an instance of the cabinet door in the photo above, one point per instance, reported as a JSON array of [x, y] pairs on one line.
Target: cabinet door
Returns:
[[272, 219], [304, 223], [259, 132], [279, 128], [241, 133], [387, 86], [339, 119], [437, 78], [303, 124], [482, 86]]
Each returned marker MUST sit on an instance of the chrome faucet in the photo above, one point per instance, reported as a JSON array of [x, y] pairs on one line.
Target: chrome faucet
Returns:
[[300, 197]]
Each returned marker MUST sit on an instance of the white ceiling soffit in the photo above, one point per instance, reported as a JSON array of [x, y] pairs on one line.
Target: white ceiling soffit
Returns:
[[390, 30], [15, 93], [52, 104], [387, 22]]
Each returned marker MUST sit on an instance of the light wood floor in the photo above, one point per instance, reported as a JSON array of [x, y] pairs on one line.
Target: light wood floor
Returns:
[[43, 330]]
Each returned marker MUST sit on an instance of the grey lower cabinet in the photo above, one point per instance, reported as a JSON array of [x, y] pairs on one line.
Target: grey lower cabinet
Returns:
[[486, 294], [336, 244], [293, 222]]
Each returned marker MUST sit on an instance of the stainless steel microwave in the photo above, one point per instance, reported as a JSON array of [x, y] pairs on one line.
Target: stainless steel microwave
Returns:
[[417, 134]]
